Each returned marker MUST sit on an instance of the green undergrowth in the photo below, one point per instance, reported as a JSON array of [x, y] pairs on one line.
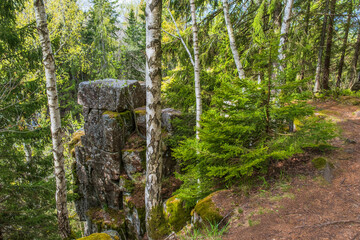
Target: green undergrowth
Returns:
[[208, 231], [242, 134]]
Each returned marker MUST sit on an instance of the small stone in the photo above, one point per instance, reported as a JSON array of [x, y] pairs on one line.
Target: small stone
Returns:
[[350, 141], [349, 150], [328, 176]]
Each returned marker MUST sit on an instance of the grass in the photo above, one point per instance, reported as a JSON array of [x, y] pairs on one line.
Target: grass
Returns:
[[210, 231]]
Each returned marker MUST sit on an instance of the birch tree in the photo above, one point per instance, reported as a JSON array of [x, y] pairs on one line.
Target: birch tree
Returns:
[[196, 67], [153, 115], [322, 40], [56, 131], [233, 47], [285, 26]]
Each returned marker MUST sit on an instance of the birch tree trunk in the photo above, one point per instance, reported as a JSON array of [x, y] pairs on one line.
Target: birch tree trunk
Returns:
[[355, 60], [305, 39], [233, 47], [56, 131], [153, 114], [326, 74], [343, 48], [196, 67], [284, 32], [322, 40]]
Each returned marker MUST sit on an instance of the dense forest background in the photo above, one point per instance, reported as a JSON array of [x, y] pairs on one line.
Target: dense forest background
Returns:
[[248, 121]]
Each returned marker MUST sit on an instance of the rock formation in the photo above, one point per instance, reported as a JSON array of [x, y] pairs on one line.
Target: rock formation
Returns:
[[109, 167]]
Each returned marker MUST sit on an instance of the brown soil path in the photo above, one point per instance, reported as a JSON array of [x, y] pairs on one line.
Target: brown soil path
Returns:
[[306, 206]]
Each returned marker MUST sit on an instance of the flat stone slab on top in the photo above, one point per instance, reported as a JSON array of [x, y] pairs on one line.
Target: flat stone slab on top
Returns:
[[112, 94]]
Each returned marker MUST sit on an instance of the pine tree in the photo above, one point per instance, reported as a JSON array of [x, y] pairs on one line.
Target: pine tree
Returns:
[[101, 35]]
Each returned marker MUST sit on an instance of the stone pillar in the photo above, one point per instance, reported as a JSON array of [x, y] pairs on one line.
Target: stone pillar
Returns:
[[109, 168]]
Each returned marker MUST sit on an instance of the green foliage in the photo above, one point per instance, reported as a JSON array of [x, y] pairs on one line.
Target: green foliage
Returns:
[[242, 132], [133, 48], [209, 231], [101, 36]]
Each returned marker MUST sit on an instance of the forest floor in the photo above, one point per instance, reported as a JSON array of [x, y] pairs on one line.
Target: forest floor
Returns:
[[305, 203]]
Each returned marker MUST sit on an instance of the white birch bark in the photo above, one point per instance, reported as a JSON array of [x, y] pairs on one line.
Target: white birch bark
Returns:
[[284, 32], [56, 131], [196, 67], [322, 41], [153, 113], [233, 47]]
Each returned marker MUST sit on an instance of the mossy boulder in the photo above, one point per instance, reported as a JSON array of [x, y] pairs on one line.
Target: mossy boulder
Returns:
[[321, 162], [176, 214], [206, 211], [97, 236], [215, 208]]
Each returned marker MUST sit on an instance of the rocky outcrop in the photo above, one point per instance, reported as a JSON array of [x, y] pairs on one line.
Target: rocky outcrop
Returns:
[[110, 162]]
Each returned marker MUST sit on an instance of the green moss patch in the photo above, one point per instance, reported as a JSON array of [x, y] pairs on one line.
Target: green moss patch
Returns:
[[140, 111], [207, 210], [158, 226], [96, 236], [319, 163], [120, 117], [176, 214], [75, 141], [127, 184]]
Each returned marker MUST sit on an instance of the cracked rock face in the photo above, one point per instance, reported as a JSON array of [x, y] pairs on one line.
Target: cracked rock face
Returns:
[[110, 161]]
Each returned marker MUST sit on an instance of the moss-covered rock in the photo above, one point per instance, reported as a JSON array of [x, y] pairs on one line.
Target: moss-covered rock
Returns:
[[206, 211], [106, 219], [97, 236], [75, 141], [134, 206], [176, 214], [126, 184], [319, 163]]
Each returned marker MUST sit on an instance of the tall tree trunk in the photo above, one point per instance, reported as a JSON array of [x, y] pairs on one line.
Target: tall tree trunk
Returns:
[[304, 41], [153, 114], [196, 67], [233, 47], [56, 131], [322, 40], [355, 60], [327, 60], [343, 48], [284, 32]]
